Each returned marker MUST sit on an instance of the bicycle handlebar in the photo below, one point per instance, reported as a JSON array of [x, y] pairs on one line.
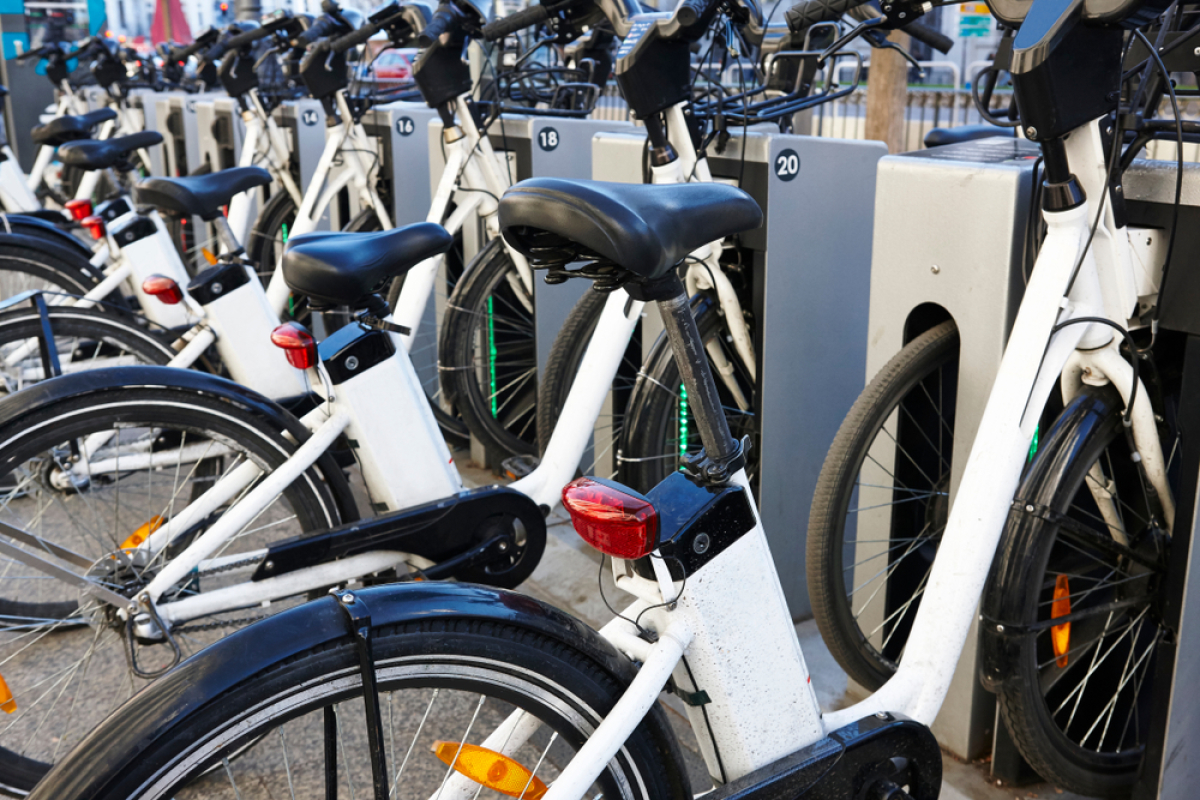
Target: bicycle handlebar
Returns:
[[930, 36], [526, 18], [442, 22], [354, 37], [690, 11], [809, 12], [248, 37], [322, 27]]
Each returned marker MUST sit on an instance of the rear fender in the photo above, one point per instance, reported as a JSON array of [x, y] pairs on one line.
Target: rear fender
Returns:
[[151, 714]]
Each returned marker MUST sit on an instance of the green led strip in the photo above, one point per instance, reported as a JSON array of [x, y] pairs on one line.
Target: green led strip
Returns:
[[491, 324], [1034, 445], [285, 233], [683, 423]]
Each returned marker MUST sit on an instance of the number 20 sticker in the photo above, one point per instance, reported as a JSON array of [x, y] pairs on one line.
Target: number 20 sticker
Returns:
[[547, 139], [787, 165]]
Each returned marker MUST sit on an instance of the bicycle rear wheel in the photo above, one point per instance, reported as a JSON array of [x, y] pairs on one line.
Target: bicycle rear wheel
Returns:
[[1076, 696], [62, 653], [297, 729]]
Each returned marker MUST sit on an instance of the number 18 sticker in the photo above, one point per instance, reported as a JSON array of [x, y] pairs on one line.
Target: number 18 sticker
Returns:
[[547, 139], [787, 165]]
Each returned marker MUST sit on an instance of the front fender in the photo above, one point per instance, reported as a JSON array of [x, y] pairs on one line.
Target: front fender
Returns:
[[153, 713], [186, 382]]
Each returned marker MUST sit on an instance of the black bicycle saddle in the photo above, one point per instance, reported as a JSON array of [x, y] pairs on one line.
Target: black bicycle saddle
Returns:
[[90, 154], [71, 128], [200, 195], [345, 269], [642, 228]]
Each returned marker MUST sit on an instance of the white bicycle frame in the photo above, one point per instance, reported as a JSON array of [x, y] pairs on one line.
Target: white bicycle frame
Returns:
[[762, 706], [357, 152], [265, 144]]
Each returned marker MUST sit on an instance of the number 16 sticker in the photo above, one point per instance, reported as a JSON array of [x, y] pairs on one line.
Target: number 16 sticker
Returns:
[[787, 165]]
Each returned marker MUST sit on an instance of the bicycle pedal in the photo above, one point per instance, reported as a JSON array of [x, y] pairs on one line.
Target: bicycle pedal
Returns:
[[517, 467]]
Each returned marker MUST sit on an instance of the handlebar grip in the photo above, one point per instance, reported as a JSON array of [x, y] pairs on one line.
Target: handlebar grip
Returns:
[[243, 39], [807, 13], [526, 18], [321, 28], [442, 22], [690, 11], [930, 36], [354, 37]]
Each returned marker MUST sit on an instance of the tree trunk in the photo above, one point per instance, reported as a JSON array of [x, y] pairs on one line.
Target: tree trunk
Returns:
[[887, 88]]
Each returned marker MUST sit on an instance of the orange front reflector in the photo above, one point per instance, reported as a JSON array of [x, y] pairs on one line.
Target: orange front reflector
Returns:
[[141, 534], [494, 770], [209, 255], [1060, 635], [6, 699]]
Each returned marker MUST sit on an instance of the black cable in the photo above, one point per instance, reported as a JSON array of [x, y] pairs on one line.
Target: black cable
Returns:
[[1178, 174], [1126, 418], [708, 724]]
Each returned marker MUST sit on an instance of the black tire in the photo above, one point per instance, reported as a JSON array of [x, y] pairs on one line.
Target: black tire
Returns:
[[906, 387], [659, 430], [85, 339], [270, 233], [433, 677], [562, 365], [51, 268], [50, 637], [1078, 708], [487, 357]]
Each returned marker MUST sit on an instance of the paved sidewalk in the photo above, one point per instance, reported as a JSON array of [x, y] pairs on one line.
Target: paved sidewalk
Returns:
[[567, 578]]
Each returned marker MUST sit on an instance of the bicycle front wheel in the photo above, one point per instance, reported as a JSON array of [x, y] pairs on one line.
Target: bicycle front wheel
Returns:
[[880, 506], [62, 653], [660, 434], [487, 354], [297, 729], [1077, 696]]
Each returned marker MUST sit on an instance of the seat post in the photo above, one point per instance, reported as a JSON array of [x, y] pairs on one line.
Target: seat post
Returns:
[[229, 242], [719, 445]]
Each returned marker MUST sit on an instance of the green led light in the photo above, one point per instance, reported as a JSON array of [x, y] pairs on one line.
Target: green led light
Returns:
[[285, 233], [683, 423], [491, 326], [1033, 445]]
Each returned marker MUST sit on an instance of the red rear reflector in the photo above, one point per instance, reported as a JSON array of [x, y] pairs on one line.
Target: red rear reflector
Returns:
[[79, 209], [611, 518], [297, 343], [94, 225], [166, 290]]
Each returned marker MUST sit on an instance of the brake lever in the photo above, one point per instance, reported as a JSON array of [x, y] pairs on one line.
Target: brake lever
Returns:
[[878, 40], [861, 29], [270, 52]]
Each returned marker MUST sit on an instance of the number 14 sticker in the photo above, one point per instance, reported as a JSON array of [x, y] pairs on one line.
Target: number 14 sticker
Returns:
[[787, 165]]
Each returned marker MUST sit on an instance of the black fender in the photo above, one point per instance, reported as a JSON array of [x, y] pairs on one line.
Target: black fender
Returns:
[[40, 224], [151, 714], [1000, 635], [185, 381], [57, 248]]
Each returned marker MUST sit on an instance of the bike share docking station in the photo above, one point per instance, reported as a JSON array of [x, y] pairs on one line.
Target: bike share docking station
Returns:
[[965, 257], [810, 272]]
